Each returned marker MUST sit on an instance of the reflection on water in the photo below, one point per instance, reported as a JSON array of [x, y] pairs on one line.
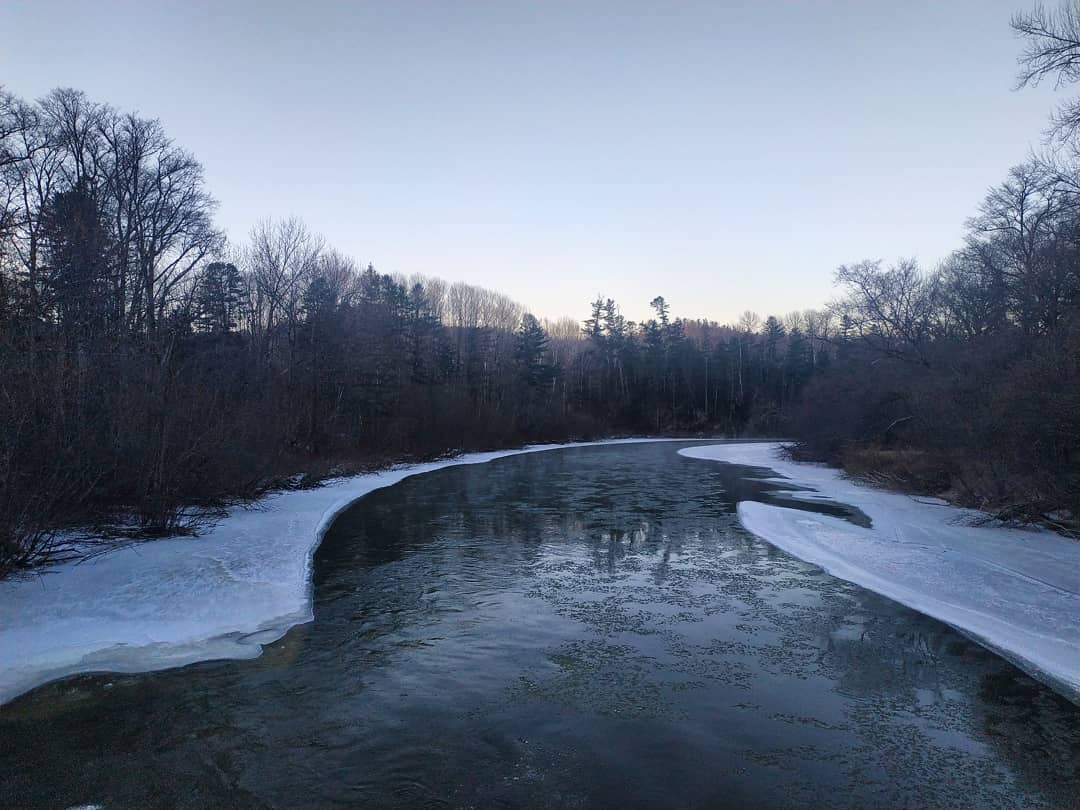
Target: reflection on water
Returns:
[[580, 628]]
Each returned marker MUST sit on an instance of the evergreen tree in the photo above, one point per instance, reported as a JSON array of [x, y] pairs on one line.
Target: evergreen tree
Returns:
[[219, 298], [77, 245], [774, 335], [530, 345]]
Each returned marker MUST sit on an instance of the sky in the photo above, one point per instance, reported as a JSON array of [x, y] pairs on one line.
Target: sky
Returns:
[[727, 156]]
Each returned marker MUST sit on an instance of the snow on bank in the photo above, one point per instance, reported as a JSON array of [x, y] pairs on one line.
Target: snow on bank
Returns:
[[180, 600], [1015, 591]]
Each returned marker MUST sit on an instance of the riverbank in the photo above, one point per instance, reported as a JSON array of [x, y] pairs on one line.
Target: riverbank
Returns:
[[247, 579], [55, 533], [969, 484], [176, 600], [1016, 591]]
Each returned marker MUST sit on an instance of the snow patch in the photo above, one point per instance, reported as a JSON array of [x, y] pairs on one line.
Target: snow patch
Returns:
[[1016, 591], [179, 600]]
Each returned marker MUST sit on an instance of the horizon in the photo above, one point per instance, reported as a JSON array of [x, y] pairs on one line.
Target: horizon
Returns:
[[557, 155]]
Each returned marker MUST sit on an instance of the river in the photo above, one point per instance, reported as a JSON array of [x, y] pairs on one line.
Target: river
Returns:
[[585, 627]]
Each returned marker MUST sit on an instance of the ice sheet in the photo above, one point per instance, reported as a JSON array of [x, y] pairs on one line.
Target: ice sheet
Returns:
[[179, 600], [1017, 591]]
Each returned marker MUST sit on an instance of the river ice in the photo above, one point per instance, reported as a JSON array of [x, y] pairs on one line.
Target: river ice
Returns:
[[1016, 591], [245, 582], [179, 600]]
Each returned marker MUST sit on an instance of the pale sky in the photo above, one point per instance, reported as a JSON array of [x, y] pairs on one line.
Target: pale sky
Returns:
[[725, 155]]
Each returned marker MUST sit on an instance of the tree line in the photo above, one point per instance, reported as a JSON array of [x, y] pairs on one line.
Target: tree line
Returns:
[[151, 371]]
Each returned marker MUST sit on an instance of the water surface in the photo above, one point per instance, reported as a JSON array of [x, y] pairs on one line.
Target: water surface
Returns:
[[577, 628]]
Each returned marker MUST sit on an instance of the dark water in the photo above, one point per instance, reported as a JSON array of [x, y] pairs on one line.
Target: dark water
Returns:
[[580, 628]]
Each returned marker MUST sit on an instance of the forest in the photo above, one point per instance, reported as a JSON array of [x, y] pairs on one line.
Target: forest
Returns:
[[153, 372]]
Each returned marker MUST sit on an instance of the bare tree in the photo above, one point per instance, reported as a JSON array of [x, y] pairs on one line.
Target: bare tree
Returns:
[[435, 293], [563, 329], [1052, 50], [18, 121], [893, 310], [1020, 244], [283, 256], [749, 322], [340, 274], [32, 174], [75, 122], [820, 325], [794, 321], [160, 213]]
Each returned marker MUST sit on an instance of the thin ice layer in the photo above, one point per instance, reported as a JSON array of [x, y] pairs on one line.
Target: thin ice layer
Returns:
[[1016, 591]]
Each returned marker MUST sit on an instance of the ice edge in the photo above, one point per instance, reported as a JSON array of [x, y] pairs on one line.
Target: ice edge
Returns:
[[1015, 592], [178, 601]]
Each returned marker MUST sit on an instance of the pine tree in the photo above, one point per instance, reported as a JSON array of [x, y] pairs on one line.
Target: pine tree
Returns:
[[593, 328], [219, 298], [77, 243], [530, 344], [774, 334]]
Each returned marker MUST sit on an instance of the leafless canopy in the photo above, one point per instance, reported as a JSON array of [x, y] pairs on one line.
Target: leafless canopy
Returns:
[[1052, 50]]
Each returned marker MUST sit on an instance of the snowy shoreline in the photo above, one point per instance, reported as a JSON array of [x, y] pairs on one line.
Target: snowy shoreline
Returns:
[[247, 581], [179, 600], [1015, 591]]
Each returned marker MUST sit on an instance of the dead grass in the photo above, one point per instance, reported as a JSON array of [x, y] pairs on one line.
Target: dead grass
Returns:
[[914, 471]]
